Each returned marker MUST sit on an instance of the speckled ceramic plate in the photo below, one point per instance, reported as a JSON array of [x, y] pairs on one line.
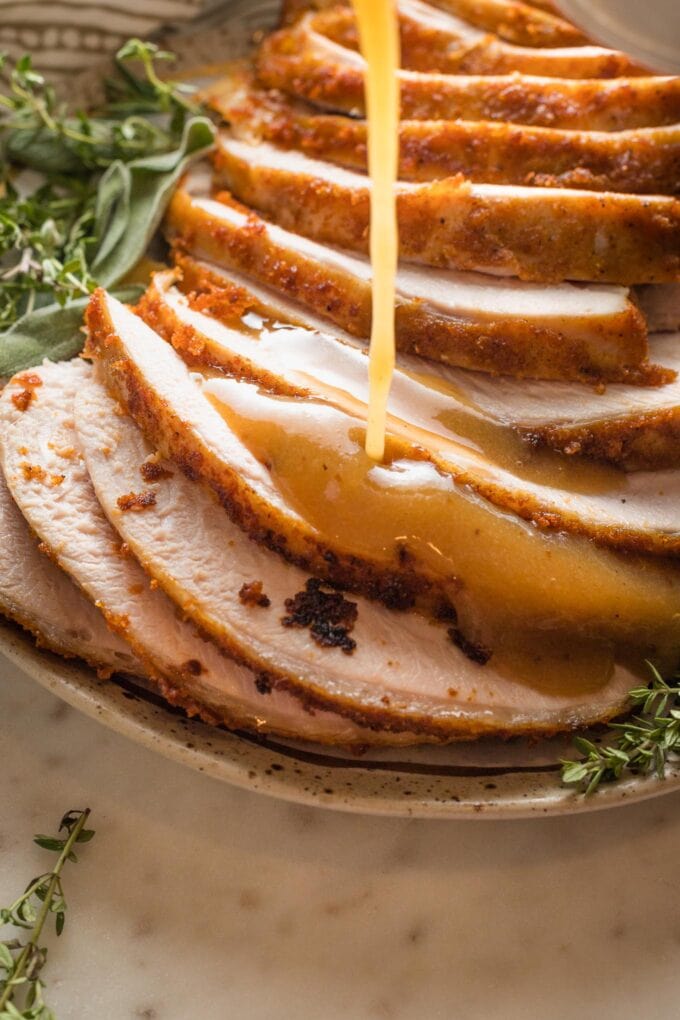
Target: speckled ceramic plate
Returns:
[[488, 779], [484, 779]]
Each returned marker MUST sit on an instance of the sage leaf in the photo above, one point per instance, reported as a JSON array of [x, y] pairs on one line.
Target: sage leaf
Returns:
[[133, 200], [53, 332], [40, 149]]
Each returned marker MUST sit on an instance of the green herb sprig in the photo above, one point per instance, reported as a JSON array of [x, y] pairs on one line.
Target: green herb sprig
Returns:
[[82, 194], [644, 743], [21, 962]]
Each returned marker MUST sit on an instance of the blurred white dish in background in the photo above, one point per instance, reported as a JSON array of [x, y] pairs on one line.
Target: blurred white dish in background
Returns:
[[650, 32]]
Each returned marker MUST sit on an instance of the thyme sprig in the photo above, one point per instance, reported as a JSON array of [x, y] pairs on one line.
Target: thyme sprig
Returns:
[[644, 743], [49, 234], [21, 962], [52, 226], [39, 130]]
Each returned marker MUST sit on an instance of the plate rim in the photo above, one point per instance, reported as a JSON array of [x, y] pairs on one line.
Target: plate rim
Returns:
[[276, 769]]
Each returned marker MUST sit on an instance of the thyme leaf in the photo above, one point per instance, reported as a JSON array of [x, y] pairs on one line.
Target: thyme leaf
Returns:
[[82, 194], [643, 744], [22, 962]]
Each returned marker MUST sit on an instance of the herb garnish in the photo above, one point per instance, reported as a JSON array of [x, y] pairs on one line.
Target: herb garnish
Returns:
[[21, 963], [643, 744], [81, 195]]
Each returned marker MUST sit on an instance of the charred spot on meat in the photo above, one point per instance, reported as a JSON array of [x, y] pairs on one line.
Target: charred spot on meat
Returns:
[[475, 652], [263, 684], [329, 616]]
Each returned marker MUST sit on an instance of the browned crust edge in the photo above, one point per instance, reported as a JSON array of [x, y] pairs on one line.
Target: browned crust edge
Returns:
[[290, 61], [615, 351], [104, 670], [643, 442], [425, 47], [516, 22], [489, 152], [592, 237]]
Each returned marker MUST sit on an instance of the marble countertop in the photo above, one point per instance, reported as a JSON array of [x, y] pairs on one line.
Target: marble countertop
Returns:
[[199, 900]]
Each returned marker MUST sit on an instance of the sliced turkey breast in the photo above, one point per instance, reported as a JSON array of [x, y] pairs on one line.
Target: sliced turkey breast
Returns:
[[634, 512], [37, 595], [34, 592], [294, 475], [631, 426], [435, 40], [646, 160], [397, 673], [310, 66], [516, 22], [56, 497], [540, 234], [482, 322]]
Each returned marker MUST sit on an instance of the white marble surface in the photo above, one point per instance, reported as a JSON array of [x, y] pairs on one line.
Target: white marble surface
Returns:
[[197, 900]]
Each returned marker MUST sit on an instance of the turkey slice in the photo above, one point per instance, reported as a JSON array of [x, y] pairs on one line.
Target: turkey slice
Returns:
[[516, 22], [634, 511], [56, 497], [631, 426], [646, 160], [36, 594], [466, 319], [403, 673], [543, 234], [435, 40], [308, 65], [431, 533]]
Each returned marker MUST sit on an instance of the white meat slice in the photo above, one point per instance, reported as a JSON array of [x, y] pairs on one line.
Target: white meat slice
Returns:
[[404, 672], [510, 19], [635, 427], [634, 511], [56, 497], [553, 577], [36, 594], [474, 321], [534, 233], [644, 161]]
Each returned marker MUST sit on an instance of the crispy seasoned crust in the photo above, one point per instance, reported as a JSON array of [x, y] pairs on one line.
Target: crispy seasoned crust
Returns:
[[516, 22], [608, 349], [136, 502], [307, 66], [151, 471], [252, 593], [644, 442], [543, 235], [454, 50], [642, 161]]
